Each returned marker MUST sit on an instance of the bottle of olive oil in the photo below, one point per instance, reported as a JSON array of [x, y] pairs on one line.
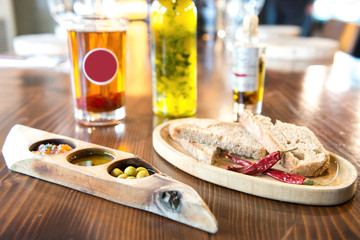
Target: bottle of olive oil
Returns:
[[173, 54], [248, 70]]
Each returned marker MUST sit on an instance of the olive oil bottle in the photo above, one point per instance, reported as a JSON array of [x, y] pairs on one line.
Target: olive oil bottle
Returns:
[[248, 70], [173, 54]]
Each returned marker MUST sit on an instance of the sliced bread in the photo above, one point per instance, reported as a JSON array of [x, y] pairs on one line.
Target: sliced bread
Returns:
[[201, 152], [309, 159], [226, 135]]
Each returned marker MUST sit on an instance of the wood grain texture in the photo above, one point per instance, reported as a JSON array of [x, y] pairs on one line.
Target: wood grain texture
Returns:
[[36, 209], [156, 193]]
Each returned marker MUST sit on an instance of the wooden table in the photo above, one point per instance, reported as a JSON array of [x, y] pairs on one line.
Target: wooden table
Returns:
[[315, 97]]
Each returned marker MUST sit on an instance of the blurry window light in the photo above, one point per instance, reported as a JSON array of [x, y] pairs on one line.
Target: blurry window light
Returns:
[[314, 81], [83, 8], [343, 10], [340, 77], [131, 9]]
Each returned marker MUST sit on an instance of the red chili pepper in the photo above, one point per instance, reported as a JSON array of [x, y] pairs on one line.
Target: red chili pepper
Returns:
[[240, 161], [260, 166], [289, 178], [281, 175]]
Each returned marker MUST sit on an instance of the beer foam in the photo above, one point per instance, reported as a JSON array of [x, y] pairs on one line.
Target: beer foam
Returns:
[[92, 24]]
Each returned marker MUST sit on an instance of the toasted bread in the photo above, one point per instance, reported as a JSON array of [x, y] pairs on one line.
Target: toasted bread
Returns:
[[201, 152], [309, 159], [226, 135]]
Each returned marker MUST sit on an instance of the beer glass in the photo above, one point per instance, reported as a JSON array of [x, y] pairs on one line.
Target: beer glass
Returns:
[[96, 42]]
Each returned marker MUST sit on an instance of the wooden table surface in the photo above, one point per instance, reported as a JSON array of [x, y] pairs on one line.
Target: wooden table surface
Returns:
[[324, 98]]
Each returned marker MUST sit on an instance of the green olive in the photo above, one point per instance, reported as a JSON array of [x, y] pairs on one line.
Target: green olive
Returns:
[[142, 174], [141, 169], [116, 172], [131, 171], [123, 176], [131, 177]]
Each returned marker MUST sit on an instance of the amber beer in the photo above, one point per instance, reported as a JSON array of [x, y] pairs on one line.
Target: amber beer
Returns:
[[98, 75]]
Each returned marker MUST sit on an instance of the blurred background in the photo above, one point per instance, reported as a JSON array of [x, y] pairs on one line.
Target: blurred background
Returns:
[[23, 22]]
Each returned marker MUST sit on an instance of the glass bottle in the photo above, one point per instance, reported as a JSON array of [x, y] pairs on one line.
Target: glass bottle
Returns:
[[173, 54], [248, 70]]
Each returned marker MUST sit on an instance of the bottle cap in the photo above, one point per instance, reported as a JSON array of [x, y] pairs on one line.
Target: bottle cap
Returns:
[[250, 25]]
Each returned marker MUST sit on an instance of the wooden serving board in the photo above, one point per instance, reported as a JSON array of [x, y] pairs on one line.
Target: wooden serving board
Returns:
[[156, 193], [340, 191]]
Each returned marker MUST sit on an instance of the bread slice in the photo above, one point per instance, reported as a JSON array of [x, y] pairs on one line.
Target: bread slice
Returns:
[[201, 152], [310, 158], [226, 135]]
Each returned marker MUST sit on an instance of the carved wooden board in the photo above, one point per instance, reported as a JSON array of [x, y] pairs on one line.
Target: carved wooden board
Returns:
[[340, 191], [156, 193]]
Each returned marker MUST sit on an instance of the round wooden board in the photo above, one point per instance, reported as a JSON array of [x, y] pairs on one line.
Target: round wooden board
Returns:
[[340, 191]]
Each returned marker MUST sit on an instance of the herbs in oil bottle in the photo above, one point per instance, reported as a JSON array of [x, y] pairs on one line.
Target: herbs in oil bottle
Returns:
[[173, 54]]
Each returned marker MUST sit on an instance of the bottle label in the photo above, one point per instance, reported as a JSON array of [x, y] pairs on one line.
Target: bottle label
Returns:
[[100, 66], [245, 71]]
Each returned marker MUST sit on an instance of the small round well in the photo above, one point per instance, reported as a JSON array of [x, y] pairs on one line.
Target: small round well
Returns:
[[135, 162], [55, 141], [90, 157]]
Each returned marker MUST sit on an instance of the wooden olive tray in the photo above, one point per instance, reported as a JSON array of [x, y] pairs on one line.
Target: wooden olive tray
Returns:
[[340, 191], [156, 193]]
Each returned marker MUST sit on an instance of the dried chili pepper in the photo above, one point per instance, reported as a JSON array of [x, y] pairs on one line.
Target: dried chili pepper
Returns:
[[262, 165], [240, 161], [290, 178], [284, 176]]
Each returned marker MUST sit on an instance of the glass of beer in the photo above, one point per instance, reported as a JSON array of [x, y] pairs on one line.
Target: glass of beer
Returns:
[[96, 44], [97, 56]]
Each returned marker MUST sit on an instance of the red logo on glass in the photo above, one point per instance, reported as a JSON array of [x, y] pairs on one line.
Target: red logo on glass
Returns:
[[100, 66]]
